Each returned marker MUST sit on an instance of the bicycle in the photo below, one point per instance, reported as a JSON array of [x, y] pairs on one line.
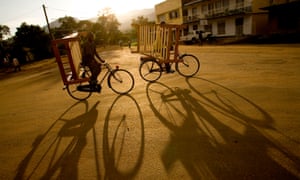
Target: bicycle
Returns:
[[151, 69], [160, 45], [119, 80]]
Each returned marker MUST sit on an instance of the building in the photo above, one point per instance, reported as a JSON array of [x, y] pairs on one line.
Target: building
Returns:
[[284, 18], [169, 11], [227, 20]]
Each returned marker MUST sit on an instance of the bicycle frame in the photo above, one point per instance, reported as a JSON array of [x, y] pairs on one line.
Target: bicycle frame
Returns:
[[109, 70]]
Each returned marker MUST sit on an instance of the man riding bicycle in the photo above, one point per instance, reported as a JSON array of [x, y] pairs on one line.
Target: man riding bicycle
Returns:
[[88, 59]]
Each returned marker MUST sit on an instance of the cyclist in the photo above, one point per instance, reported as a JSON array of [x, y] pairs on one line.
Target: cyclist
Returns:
[[88, 59]]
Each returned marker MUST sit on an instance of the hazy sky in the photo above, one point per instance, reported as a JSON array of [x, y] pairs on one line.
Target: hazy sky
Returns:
[[14, 12]]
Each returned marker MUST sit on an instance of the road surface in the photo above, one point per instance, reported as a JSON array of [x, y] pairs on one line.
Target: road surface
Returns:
[[238, 118]]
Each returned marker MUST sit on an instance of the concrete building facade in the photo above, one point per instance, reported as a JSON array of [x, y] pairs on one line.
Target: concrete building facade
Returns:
[[227, 19], [169, 11]]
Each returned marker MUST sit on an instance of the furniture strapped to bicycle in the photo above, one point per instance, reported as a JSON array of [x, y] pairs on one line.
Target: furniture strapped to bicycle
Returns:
[[159, 41], [75, 76], [159, 45], [68, 57]]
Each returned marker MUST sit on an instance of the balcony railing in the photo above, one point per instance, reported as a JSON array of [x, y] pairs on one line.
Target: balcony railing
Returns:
[[189, 19], [228, 12]]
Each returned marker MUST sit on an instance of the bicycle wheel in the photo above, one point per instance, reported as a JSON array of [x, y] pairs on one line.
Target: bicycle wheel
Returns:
[[120, 81], [150, 70], [188, 65], [73, 90], [76, 94]]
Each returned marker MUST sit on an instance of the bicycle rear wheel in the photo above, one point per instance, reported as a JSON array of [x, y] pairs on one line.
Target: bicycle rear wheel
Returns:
[[188, 66], [76, 94], [150, 70], [73, 88], [120, 81]]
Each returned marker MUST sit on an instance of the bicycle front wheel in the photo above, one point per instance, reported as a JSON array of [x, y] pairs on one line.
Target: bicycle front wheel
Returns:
[[188, 65], [121, 81], [150, 70]]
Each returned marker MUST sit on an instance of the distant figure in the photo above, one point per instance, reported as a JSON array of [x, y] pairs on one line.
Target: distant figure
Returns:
[[6, 61], [16, 64], [201, 38], [88, 59], [129, 44]]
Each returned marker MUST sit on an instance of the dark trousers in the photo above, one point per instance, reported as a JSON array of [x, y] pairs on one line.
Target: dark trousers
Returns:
[[168, 66], [95, 69]]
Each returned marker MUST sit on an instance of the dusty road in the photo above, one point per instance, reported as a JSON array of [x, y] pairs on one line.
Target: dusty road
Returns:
[[238, 118]]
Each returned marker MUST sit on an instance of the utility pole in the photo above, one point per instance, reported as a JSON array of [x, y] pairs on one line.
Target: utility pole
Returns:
[[51, 35]]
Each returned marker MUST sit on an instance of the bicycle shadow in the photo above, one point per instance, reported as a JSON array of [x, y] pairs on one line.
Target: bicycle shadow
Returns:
[[123, 139], [216, 133], [56, 153]]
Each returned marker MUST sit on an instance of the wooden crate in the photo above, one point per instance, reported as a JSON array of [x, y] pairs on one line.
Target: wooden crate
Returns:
[[158, 41]]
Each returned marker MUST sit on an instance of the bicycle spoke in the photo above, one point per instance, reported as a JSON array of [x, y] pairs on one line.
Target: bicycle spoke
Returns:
[[188, 65], [121, 81], [150, 70]]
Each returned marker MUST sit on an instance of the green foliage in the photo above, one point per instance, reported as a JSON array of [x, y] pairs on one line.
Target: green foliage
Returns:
[[135, 22], [31, 39], [4, 30], [31, 42], [141, 20], [107, 30], [67, 26]]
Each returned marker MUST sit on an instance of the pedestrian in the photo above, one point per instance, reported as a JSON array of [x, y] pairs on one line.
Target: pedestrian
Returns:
[[6, 61], [201, 38], [89, 53], [16, 64], [129, 44]]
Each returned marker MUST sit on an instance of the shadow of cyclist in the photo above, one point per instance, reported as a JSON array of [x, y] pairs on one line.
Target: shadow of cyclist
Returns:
[[212, 136], [60, 153]]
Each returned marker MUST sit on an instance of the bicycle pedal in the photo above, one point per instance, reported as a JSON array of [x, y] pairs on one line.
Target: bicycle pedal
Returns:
[[98, 88], [84, 88]]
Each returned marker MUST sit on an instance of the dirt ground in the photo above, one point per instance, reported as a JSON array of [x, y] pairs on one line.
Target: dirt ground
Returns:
[[238, 118]]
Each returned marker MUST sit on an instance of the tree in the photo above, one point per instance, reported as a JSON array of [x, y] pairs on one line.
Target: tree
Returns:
[[4, 30], [141, 20], [85, 25], [107, 27], [34, 39], [137, 21], [68, 25]]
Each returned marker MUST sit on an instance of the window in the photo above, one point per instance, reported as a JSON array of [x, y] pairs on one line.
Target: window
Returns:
[[204, 9], [239, 3], [210, 8], [239, 22], [195, 27], [221, 27], [226, 4], [161, 18], [208, 28], [194, 11], [185, 12], [218, 4], [174, 14]]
